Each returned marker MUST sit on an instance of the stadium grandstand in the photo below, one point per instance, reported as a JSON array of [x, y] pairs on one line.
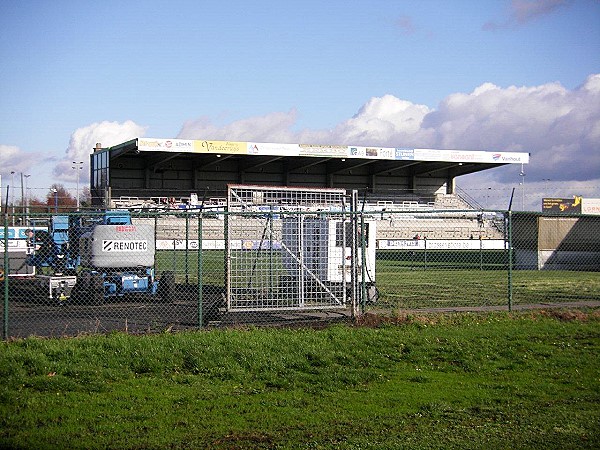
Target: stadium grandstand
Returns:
[[410, 191]]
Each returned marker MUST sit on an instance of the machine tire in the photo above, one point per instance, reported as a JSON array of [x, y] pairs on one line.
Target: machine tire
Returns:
[[210, 313], [213, 299], [96, 289], [166, 286], [81, 289]]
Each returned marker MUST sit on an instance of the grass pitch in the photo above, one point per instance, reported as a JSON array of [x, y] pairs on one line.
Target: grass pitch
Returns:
[[526, 380]]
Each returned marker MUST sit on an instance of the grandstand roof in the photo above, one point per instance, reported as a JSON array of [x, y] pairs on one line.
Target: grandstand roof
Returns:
[[153, 165]]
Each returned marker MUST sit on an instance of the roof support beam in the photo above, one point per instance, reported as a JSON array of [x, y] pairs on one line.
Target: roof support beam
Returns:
[[306, 164], [393, 168], [256, 165], [344, 165], [154, 166], [213, 161]]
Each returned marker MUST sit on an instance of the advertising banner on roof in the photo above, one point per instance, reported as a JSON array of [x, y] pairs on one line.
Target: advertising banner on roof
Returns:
[[470, 156], [323, 150], [218, 147], [165, 145], [257, 148], [405, 154], [329, 151], [371, 152]]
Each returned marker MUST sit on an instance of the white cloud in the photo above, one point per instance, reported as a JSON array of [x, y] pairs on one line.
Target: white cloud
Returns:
[[13, 159], [559, 127], [383, 120], [274, 127], [380, 121], [84, 139]]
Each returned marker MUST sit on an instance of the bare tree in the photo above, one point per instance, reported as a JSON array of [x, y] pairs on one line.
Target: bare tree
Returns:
[[59, 199]]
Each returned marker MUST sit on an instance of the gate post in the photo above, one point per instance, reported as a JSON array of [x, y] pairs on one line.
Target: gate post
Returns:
[[6, 272], [199, 271], [354, 254], [510, 259]]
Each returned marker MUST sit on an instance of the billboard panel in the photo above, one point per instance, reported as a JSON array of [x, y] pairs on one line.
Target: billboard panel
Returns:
[[590, 206], [165, 145], [562, 205], [227, 147], [329, 151]]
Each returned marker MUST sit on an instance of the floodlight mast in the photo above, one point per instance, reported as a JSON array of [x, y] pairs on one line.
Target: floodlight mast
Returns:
[[522, 175], [77, 167]]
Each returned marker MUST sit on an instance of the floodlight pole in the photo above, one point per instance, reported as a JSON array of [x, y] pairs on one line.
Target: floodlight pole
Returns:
[[26, 176], [12, 195], [522, 174], [77, 167]]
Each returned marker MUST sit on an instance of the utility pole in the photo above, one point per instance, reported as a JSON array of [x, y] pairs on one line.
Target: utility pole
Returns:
[[12, 195], [26, 197], [22, 195], [77, 167], [522, 174]]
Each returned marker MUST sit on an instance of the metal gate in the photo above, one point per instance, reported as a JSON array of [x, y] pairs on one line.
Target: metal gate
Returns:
[[291, 248]]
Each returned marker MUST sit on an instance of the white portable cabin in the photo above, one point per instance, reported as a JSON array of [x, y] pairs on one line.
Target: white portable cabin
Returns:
[[322, 247]]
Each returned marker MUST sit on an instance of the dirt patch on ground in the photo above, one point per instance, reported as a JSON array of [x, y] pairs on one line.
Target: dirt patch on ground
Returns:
[[570, 315], [374, 320]]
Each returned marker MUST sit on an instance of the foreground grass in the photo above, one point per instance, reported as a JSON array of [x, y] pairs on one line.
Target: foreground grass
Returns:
[[529, 380]]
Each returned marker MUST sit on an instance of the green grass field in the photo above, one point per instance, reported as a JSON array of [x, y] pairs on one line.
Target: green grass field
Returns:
[[448, 279], [500, 380]]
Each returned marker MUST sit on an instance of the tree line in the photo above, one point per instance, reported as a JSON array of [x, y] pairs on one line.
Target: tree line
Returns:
[[57, 199]]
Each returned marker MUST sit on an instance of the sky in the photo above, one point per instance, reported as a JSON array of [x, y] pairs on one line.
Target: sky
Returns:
[[492, 75]]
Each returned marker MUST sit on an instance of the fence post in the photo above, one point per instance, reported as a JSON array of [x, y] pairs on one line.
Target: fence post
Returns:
[[510, 260], [354, 254], [187, 249], [363, 275], [199, 271], [6, 272], [480, 253]]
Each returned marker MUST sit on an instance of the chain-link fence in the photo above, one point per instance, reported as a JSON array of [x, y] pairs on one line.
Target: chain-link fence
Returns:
[[173, 270]]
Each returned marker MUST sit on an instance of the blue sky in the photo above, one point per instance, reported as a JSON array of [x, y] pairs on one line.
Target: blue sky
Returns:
[[511, 75]]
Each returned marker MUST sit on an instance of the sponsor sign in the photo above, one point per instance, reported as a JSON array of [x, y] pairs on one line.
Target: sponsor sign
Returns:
[[441, 244], [165, 145], [125, 228], [18, 232], [124, 246], [227, 147], [256, 148], [14, 245], [323, 150], [562, 205], [405, 154], [468, 156], [332, 151], [402, 244], [590, 206]]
